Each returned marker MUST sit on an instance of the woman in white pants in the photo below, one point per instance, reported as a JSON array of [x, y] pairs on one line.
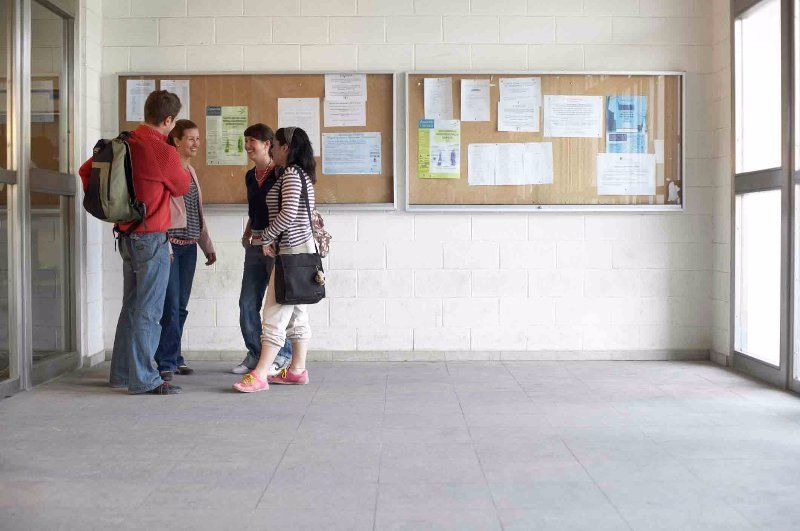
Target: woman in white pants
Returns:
[[288, 232]]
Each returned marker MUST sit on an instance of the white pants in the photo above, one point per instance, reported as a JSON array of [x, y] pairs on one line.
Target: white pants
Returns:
[[281, 321]]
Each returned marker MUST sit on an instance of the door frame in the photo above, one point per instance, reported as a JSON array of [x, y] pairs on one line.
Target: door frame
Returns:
[[764, 180]]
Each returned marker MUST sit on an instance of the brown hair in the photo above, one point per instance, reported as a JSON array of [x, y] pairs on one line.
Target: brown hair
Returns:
[[178, 130], [260, 132], [160, 105]]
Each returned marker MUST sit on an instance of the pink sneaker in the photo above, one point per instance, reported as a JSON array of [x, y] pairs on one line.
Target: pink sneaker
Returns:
[[287, 377], [251, 384]]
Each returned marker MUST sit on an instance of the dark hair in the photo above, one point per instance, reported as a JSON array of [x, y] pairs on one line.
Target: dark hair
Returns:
[[300, 151], [177, 132], [161, 104], [260, 132]]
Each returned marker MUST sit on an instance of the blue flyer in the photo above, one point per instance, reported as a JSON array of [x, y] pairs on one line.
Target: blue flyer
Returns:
[[626, 124]]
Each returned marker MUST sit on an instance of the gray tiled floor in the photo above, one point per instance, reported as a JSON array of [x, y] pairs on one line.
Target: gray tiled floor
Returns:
[[555, 445]]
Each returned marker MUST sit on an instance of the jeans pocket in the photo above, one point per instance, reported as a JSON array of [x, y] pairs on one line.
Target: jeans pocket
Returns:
[[144, 250]]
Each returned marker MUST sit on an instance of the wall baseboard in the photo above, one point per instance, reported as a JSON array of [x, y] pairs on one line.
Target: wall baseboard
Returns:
[[96, 358], [720, 358], [541, 355]]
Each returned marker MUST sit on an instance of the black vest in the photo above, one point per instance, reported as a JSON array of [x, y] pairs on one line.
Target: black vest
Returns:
[[257, 198]]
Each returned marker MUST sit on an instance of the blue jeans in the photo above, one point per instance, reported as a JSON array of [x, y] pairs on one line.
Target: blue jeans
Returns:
[[145, 271], [181, 274], [257, 269]]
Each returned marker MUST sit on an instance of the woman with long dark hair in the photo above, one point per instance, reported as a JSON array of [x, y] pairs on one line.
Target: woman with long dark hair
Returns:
[[289, 232], [188, 230], [259, 180]]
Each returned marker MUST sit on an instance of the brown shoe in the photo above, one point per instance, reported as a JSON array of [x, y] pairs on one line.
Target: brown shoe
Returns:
[[166, 375], [184, 370], [165, 388]]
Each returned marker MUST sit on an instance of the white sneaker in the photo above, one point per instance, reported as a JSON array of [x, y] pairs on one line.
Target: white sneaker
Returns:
[[240, 369], [276, 367]]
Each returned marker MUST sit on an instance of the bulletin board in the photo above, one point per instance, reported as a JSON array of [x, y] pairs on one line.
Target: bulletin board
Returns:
[[574, 184], [224, 185]]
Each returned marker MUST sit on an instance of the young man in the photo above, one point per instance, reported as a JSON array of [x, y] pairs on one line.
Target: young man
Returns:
[[157, 175]]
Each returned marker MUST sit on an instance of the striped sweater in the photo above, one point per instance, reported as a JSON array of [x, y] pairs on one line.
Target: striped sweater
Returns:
[[288, 218]]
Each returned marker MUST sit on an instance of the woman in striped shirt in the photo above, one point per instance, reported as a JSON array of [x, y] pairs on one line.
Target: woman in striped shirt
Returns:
[[188, 230], [288, 232]]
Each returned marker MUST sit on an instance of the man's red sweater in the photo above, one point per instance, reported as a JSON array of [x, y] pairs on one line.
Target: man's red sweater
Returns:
[[157, 175]]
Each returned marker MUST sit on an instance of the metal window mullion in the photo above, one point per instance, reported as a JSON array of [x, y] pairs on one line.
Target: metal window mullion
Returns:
[[19, 268], [52, 182], [8, 176], [759, 181]]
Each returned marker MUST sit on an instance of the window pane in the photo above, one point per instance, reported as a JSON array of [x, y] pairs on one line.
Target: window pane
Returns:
[[50, 220], [47, 72], [758, 273], [758, 88], [49, 278]]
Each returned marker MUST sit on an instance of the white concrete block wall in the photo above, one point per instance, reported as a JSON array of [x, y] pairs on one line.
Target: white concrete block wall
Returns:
[[485, 282], [92, 24], [720, 182]]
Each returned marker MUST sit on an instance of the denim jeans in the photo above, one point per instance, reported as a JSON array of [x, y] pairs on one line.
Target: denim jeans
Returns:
[[257, 269], [145, 271], [181, 274]]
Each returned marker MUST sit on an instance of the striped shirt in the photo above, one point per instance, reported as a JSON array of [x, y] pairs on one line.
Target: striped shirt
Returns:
[[288, 218], [191, 232]]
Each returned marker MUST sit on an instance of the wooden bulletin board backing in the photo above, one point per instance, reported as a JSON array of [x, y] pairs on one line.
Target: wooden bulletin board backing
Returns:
[[574, 159], [260, 93]]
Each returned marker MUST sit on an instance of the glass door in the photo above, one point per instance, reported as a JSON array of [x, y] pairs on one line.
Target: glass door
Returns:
[[794, 382], [10, 367], [762, 193], [52, 190]]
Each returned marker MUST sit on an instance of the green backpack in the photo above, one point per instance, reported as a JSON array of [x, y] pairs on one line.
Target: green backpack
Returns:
[[110, 195]]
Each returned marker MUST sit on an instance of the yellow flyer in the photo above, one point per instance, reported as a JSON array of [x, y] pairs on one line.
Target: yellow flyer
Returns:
[[439, 149]]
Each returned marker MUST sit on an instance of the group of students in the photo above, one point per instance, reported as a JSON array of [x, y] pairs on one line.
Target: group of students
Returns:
[[159, 255]]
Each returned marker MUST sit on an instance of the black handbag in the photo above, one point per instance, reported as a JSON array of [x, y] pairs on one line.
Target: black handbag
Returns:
[[299, 278]]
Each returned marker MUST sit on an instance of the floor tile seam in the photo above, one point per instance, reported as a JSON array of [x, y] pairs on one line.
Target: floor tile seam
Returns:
[[597, 485], [380, 453], [286, 448], [708, 486], [475, 451]]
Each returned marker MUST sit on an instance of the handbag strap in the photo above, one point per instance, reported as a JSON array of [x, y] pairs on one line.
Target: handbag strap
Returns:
[[303, 195]]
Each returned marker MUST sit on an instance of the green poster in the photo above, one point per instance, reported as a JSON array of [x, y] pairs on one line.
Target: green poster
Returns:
[[224, 135], [439, 149]]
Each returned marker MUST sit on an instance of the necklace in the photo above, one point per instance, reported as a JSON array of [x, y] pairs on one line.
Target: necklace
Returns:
[[261, 175]]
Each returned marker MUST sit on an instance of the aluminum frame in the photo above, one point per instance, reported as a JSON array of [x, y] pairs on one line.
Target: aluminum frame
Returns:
[[764, 180], [338, 207], [550, 208]]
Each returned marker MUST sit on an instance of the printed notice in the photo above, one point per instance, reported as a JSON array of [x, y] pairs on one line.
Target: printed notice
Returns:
[[537, 158], [658, 145], [626, 124], [225, 136], [672, 192], [521, 88], [345, 113], [474, 100], [481, 164], [439, 149], [346, 87], [573, 116], [302, 113], [510, 164], [626, 174], [179, 87], [518, 116], [351, 153], [136, 92], [44, 101], [438, 98]]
